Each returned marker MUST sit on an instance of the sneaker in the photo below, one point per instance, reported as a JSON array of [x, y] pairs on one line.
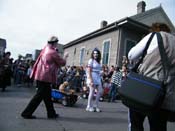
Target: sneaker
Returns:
[[90, 109], [97, 109]]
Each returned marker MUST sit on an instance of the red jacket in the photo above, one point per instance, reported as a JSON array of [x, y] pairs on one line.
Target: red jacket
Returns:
[[46, 66]]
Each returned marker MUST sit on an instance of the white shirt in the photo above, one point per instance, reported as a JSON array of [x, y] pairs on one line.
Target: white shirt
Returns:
[[137, 50]]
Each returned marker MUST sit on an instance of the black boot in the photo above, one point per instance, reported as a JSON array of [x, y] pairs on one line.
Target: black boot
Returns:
[[28, 116], [53, 116]]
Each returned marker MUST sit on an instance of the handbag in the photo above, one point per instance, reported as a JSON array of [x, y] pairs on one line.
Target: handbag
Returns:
[[143, 93]]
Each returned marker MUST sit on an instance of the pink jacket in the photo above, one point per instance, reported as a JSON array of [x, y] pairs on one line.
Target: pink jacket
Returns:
[[46, 66]]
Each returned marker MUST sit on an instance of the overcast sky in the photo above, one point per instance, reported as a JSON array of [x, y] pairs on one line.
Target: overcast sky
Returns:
[[27, 24]]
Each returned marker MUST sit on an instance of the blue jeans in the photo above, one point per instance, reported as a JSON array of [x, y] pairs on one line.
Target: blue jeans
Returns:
[[113, 92]]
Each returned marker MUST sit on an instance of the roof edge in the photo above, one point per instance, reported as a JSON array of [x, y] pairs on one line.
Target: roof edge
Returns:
[[111, 27]]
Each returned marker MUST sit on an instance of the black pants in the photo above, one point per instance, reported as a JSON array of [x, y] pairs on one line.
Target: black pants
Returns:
[[2, 83], [43, 93], [156, 122]]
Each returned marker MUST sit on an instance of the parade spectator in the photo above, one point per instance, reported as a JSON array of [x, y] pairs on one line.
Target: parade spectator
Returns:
[[82, 76], [16, 70], [105, 74], [115, 84], [45, 73], [124, 72], [111, 71], [5, 71], [29, 71], [152, 67], [94, 80], [77, 80]]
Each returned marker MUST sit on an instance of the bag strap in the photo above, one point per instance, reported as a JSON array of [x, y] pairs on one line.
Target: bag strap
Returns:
[[144, 52], [164, 58]]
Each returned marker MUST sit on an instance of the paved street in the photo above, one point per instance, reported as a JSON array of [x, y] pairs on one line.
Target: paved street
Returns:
[[14, 100]]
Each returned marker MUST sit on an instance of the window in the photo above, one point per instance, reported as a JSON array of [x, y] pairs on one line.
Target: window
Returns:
[[75, 50], [129, 45], [82, 52], [106, 47]]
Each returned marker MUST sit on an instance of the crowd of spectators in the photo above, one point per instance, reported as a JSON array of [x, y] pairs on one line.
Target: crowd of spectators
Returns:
[[75, 76]]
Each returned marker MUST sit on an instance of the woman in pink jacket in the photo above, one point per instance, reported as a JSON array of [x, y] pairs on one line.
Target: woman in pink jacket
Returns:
[[45, 73]]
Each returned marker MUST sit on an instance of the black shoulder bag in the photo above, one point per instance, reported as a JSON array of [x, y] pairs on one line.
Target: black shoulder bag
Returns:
[[144, 93]]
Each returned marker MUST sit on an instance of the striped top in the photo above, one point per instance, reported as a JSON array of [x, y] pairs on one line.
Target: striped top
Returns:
[[117, 78]]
